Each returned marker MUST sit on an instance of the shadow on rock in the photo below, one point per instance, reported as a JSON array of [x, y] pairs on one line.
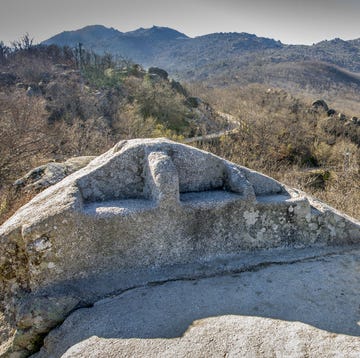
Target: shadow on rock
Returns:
[[321, 292]]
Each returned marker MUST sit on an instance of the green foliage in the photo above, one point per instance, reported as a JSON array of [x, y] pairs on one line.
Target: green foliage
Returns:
[[103, 71], [99, 78], [161, 131], [158, 100]]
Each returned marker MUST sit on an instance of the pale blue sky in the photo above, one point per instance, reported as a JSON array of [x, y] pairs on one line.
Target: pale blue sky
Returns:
[[291, 21]]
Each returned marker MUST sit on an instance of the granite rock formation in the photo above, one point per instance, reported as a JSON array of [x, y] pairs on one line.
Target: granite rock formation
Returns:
[[291, 306], [146, 210], [51, 173]]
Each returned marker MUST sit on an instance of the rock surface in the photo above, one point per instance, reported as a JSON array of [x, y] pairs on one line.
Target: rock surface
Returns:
[[51, 173], [308, 307], [145, 211], [229, 336]]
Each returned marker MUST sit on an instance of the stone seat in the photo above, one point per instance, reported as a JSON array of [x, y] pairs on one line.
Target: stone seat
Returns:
[[118, 207], [147, 209], [209, 197]]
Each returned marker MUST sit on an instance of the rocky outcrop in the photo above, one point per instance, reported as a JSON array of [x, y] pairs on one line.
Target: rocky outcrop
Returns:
[[228, 336], [291, 306], [51, 173], [146, 210]]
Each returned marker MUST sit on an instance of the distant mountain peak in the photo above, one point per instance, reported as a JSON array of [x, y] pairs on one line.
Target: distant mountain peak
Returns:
[[163, 33], [97, 27], [91, 34], [203, 56], [85, 34]]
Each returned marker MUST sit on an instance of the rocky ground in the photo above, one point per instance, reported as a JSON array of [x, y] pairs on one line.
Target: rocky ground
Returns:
[[305, 306]]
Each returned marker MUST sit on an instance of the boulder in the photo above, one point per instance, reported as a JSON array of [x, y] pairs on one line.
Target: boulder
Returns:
[[178, 87], [331, 112], [320, 104], [227, 336], [159, 72], [34, 91], [194, 102], [51, 173], [342, 116], [147, 210]]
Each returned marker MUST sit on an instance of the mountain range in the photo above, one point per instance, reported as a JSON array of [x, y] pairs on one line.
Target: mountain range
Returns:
[[227, 58]]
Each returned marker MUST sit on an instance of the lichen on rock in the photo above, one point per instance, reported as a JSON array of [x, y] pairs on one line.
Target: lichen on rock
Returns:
[[145, 208]]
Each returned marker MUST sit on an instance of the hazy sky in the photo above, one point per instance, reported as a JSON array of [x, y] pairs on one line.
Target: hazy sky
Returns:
[[291, 21]]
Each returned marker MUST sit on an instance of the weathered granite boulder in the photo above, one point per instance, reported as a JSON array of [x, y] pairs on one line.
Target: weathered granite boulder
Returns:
[[298, 304], [146, 210], [227, 336], [49, 174], [342, 116]]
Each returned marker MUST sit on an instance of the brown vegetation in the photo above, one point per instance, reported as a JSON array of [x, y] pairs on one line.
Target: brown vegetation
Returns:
[[291, 141], [56, 103]]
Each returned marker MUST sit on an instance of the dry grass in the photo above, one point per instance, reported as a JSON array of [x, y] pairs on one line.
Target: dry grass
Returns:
[[11, 200], [341, 190], [282, 137], [279, 135]]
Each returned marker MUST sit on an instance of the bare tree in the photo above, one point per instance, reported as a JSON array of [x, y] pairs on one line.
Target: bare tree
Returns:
[[4, 52], [24, 43]]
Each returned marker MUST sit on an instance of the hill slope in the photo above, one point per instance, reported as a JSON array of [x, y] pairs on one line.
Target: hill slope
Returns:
[[139, 45], [53, 110], [326, 69], [175, 51], [163, 46]]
